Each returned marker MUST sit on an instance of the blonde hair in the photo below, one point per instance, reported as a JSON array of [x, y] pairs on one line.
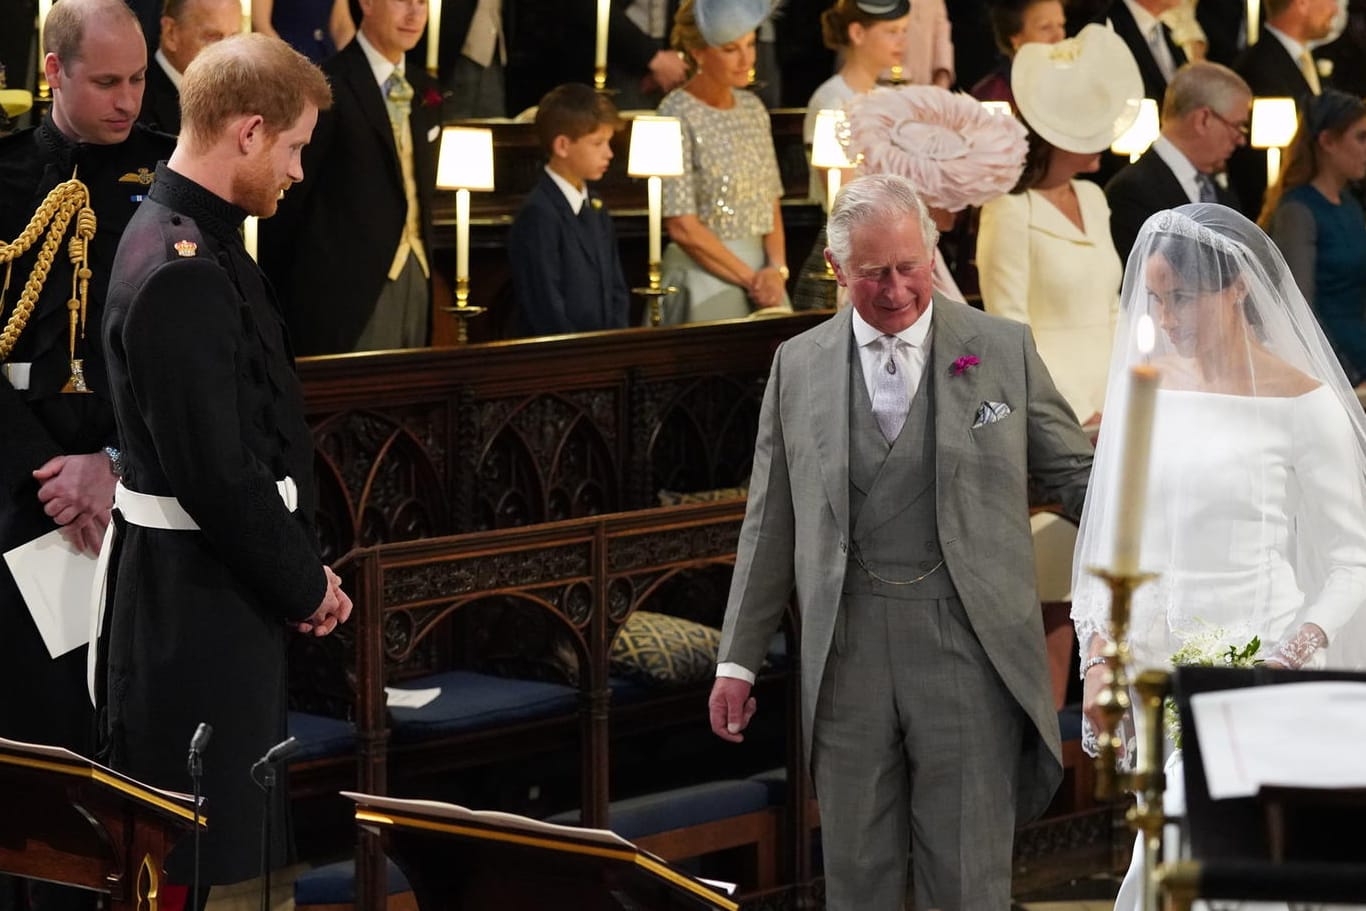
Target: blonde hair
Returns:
[[686, 36], [245, 75], [64, 29]]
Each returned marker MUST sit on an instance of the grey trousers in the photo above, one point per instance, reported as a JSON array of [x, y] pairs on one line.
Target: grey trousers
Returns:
[[402, 313], [916, 746], [476, 91]]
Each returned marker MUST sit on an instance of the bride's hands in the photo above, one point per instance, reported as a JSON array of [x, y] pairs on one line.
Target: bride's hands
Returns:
[[1299, 650], [1092, 683]]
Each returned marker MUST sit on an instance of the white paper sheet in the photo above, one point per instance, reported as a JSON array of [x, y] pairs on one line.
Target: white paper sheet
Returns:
[[55, 580], [1304, 735], [396, 698]]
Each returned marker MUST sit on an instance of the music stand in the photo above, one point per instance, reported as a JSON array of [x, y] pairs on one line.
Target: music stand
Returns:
[[1241, 848], [72, 821], [457, 859]]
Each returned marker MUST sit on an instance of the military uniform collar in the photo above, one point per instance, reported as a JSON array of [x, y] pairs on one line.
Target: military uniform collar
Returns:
[[68, 154], [214, 214]]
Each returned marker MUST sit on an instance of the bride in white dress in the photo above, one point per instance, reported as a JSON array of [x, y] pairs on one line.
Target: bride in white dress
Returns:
[[1255, 517]]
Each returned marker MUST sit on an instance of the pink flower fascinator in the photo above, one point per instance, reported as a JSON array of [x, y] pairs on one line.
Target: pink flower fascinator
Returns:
[[953, 149]]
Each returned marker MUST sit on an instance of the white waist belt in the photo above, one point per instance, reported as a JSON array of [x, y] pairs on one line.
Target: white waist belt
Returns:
[[149, 511], [17, 374], [146, 511]]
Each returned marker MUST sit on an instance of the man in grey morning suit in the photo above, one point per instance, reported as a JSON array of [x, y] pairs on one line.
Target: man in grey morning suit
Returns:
[[889, 492]]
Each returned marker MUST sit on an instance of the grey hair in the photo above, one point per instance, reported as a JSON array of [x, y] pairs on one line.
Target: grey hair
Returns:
[[875, 199], [1202, 84]]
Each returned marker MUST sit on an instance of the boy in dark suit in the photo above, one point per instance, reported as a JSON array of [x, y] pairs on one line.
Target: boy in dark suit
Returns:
[[567, 270]]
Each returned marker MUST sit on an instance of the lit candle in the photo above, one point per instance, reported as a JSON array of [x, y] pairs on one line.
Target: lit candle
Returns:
[[250, 228], [600, 49], [246, 16], [1138, 439], [433, 36], [655, 188], [1254, 9], [462, 234]]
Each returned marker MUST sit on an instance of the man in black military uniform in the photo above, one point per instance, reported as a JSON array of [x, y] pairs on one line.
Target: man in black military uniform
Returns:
[[215, 559], [54, 470]]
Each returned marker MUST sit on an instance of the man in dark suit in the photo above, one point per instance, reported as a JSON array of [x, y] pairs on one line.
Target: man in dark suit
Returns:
[[1158, 56], [474, 42], [1279, 65], [347, 252], [187, 27], [568, 270], [1205, 116]]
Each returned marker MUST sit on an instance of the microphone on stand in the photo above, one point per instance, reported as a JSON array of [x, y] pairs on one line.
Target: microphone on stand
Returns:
[[266, 780], [195, 764]]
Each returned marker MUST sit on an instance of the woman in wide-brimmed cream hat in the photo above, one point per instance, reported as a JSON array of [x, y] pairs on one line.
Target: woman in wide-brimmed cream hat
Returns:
[[1044, 252]]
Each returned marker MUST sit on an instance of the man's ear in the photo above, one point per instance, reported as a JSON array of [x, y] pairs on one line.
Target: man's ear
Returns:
[[52, 71], [559, 146], [834, 264], [251, 131]]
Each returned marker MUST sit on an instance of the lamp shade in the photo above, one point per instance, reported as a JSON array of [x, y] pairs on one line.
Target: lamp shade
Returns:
[[656, 147], [466, 159], [1140, 135], [826, 149], [1273, 122], [999, 107]]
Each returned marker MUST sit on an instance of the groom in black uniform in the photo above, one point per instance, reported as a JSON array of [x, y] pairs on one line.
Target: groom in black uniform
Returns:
[[216, 558]]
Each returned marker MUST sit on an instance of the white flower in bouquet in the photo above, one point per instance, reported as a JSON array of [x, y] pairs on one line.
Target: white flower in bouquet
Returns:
[[1211, 647]]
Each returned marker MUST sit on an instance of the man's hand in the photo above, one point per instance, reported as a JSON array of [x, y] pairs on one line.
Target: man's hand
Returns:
[[334, 609], [731, 707], [77, 491], [668, 69]]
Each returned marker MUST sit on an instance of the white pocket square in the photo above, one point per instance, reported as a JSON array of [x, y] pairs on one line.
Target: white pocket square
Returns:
[[434, 134], [990, 413]]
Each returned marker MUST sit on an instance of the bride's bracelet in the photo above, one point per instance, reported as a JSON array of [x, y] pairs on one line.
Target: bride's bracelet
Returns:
[[1092, 662], [1296, 651]]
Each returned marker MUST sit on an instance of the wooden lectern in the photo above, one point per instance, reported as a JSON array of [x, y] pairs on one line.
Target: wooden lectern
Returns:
[[465, 860], [69, 820], [1284, 844]]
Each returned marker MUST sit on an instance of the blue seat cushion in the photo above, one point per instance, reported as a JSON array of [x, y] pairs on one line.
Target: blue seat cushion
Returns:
[[776, 782], [469, 701], [335, 884], [320, 736], [680, 808]]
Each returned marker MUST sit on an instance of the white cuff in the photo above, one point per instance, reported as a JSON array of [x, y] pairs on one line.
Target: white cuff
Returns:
[[731, 669]]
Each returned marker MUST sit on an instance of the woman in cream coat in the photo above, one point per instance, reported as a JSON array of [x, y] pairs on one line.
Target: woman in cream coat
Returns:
[[1044, 253]]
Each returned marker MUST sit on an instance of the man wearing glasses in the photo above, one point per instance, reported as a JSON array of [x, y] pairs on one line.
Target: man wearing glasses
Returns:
[[1206, 114]]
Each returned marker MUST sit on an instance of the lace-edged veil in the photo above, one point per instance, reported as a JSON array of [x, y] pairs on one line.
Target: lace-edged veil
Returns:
[[1255, 516]]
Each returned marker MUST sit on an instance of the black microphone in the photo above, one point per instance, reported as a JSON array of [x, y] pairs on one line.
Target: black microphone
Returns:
[[198, 742], [266, 764], [201, 737], [282, 750]]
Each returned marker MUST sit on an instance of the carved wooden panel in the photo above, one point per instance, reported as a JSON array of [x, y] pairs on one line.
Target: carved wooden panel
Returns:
[[425, 443]]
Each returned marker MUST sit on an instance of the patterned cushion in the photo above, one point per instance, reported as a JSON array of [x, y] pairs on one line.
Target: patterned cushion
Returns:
[[660, 650]]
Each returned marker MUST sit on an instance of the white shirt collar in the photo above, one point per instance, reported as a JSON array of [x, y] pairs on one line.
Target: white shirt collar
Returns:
[[1145, 20], [913, 335], [575, 197], [1180, 166], [1292, 47], [172, 73], [382, 67]]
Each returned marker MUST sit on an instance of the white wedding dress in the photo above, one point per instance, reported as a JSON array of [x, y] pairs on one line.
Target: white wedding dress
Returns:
[[1256, 486]]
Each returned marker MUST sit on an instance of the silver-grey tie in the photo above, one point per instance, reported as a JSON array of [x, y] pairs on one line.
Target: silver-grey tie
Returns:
[[891, 399]]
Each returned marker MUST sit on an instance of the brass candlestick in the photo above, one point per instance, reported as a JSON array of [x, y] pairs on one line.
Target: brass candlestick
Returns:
[[654, 294], [1147, 780], [463, 311]]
